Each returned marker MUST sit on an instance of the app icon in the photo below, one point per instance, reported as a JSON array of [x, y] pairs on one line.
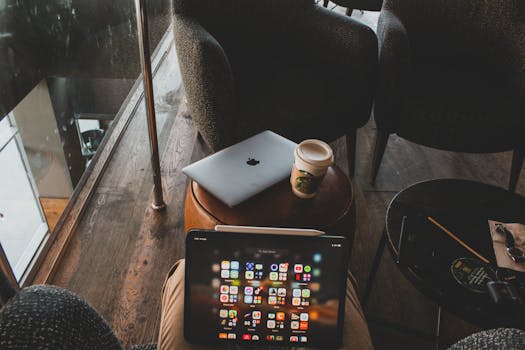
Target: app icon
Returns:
[[215, 268], [296, 301], [249, 275], [234, 290], [296, 293], [298, 268], [274, 267], [246, 337], [294, 339], [272, 291], [272, 300], [280, 316], [295, 317], [258, 266], [224, 298], [255, 337], [232, 313], [248, 290], [303, 326], [270, 324], [316, 272], [250, 266], [294, 325], [225, 265], [223, 336], [270, 337], [283, 267], [304, 316], [283, 276], [274, 276], [304, 339], [257, 300], [248, 299], [307, 277], [305, 293], [223, 313], [225, 273], [258, 290], [281, 292], [307, 269], [234, 265], [279, 338], [271, 315], [317, 258], [232, 336], [234, 274], [225, 289], [256, 315]]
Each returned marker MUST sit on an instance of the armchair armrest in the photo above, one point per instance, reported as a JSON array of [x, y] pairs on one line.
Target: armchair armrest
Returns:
[[208, 80], [394, 69]]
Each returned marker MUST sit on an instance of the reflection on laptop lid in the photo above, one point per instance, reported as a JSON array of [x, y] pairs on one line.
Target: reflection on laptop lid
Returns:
[[241, 171], [268, 290]]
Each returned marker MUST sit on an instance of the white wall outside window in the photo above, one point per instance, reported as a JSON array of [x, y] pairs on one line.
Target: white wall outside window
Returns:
[[22, 224]]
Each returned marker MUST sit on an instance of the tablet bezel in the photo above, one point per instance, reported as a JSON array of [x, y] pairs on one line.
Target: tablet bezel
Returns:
[[230, 235]]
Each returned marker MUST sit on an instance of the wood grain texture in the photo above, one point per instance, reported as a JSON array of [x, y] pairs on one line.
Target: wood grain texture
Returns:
[[53, 209], [45, 266], [121, 250]]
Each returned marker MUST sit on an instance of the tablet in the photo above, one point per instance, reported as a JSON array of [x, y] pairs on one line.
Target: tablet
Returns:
[[268, 290]]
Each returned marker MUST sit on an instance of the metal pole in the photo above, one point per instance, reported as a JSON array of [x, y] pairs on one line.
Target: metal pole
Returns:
[[145, 60]]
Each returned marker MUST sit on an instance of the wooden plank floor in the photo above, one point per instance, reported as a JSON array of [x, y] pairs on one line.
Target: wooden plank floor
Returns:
[[122, 249]]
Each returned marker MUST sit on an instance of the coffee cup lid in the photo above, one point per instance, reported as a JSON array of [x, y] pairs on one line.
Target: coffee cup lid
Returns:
[[315, 152]]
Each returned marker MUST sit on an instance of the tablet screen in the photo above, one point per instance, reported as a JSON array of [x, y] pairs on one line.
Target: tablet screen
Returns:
[[265, 289]]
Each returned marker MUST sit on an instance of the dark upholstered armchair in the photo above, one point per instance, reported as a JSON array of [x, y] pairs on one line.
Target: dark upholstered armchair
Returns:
[[51, 318], [452, 76], [367, 5], [285, 65]]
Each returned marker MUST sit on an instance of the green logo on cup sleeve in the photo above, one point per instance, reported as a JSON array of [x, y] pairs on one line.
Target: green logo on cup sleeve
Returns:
[[306, 182]]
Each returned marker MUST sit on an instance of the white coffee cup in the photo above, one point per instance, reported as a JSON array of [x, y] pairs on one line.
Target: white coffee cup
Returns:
[[312, 159]]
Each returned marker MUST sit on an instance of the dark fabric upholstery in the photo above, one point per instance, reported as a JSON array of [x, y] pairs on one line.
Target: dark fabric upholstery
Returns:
[[46, 317], [452, 73], [367, 5], [145, 347], [494, 339], [51, 318], [285, 65]]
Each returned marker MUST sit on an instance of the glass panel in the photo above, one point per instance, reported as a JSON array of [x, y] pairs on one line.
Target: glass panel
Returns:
[[22, 224], [66, 68]]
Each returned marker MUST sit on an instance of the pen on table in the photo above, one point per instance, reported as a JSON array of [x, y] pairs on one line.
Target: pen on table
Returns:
[[457, 239]]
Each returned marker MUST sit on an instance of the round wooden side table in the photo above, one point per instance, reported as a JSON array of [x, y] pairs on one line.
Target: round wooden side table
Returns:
[[332, 210]]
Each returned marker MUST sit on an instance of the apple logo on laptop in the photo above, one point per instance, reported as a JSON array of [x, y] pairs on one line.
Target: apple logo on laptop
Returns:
[[252, 161]]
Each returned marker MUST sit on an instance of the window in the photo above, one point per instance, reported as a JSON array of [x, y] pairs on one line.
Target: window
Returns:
[[23, 227]]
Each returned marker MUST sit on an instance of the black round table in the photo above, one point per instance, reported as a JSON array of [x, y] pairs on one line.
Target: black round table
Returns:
[[426, 253]]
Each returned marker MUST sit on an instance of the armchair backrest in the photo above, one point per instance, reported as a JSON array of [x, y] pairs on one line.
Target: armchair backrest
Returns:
[[253, 12], [244, 28], [457, 28]]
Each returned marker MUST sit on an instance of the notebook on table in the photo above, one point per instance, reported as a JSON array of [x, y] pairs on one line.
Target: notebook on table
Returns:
[[269, 290], [241, 171]]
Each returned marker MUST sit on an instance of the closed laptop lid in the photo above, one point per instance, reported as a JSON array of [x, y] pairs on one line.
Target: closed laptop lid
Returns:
[[241, 171]]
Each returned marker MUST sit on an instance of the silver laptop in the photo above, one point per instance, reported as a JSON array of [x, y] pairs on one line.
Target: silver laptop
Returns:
[[241, 171]]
